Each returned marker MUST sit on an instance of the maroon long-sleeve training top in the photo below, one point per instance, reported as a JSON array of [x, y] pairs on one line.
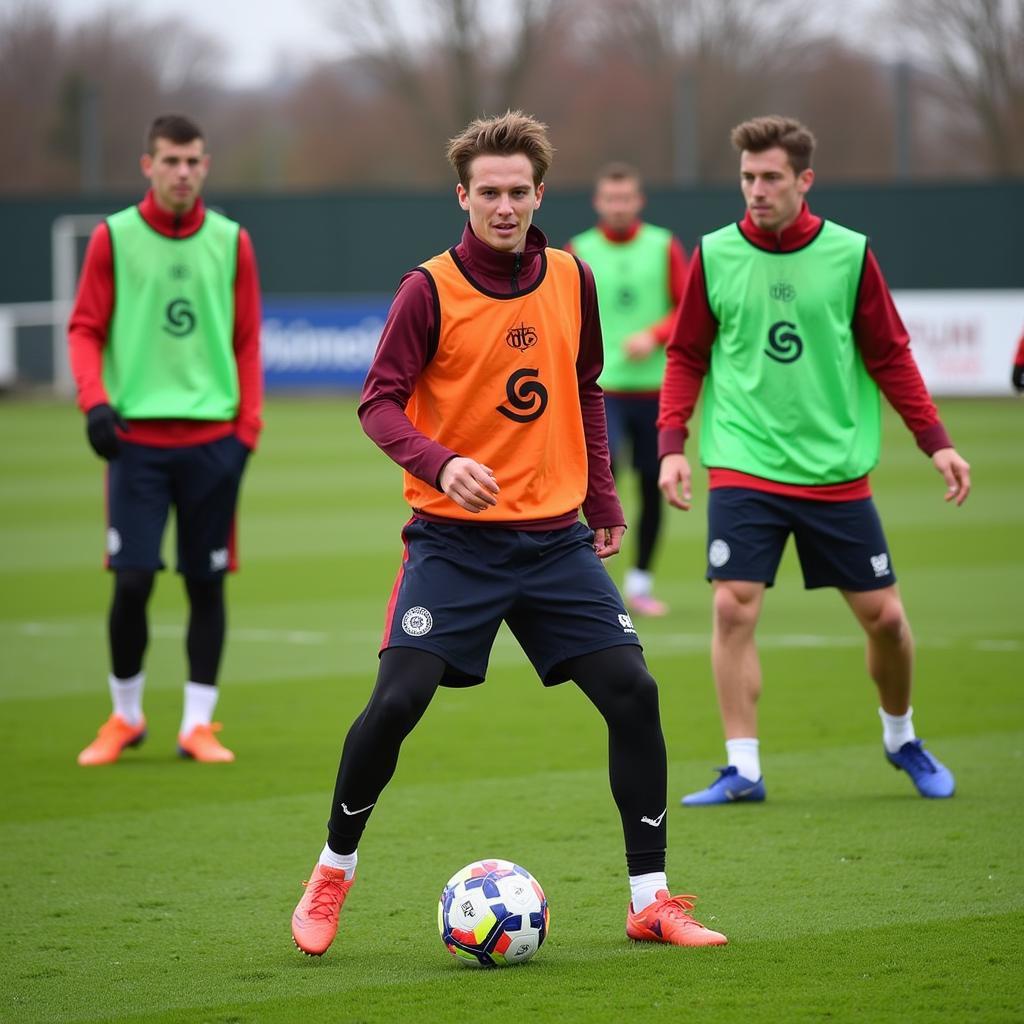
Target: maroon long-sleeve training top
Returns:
[[880, 335], [405, 349], [90, 320]]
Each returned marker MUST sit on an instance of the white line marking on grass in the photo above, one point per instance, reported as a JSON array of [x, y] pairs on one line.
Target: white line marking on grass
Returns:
[[300, 637]]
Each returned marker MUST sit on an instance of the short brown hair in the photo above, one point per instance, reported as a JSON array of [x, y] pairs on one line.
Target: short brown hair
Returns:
[[510, 133], [761, 133], [175, 128], [618, 171]]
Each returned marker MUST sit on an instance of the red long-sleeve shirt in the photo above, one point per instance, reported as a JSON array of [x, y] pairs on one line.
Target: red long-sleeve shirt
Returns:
[[879, 333], [405, 349], [1019, 358], [90, 321]]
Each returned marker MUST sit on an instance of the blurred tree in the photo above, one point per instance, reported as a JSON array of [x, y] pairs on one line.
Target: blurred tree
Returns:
[[979, 47]]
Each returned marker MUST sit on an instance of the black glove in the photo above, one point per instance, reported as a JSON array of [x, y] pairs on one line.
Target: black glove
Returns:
[[1017, 377], [101, 425]]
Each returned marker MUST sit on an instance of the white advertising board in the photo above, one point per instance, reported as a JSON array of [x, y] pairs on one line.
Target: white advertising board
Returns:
[[964, 341]]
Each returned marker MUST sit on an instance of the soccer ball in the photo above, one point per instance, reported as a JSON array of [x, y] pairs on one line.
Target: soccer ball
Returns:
[[492, 913]]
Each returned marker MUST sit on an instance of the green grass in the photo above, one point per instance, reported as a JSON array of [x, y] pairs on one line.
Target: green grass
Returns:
[[158, 890]]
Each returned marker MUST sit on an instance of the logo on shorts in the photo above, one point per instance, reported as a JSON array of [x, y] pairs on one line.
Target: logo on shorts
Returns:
[[113, 541], [718, 553], [218, 559], [417, 621], [627, 624], [880, 563]]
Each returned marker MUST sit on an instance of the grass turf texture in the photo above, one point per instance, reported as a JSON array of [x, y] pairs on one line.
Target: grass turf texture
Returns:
[[158, 890]]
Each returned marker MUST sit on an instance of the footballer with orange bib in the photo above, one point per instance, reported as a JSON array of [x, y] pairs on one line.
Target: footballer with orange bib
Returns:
[[484, 390]]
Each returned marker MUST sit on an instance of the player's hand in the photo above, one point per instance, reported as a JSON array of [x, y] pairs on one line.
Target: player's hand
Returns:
[[640, 345], [1017, 378], [102, 423], [956, 472], [674, 480], [608, 540], [471, 485]]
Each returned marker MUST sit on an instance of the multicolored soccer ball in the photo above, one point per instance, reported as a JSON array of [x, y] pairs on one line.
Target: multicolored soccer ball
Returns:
[[493, 913]]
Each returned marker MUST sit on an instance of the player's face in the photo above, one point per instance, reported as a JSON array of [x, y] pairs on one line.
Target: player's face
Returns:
[[501, 199], [177, 172], [618, 203], [773, 190]]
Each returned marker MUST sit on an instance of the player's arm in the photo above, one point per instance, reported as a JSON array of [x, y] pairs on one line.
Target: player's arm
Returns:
[[87, 337], [601, 506], [407, 344], [644, 342], [885, 347], [1017, 375], [688, 359], [246, 344]]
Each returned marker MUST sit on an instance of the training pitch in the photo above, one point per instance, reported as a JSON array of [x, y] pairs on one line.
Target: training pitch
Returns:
[[158, 890]]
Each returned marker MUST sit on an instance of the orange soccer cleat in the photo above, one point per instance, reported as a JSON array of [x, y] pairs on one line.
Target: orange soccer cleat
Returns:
[[114, 735], [315, 921], [201, 745], [667, 919]]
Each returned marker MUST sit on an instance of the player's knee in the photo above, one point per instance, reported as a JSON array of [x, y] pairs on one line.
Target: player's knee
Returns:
[[735, 608], [394, 711], [205, 593], [889, 621], [632, 688], [133, 586]]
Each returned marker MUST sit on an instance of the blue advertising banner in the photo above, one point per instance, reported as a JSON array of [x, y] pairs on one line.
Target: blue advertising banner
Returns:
[[320, 342]]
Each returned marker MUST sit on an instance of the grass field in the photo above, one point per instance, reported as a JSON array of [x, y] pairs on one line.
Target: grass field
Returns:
[[157, 890]]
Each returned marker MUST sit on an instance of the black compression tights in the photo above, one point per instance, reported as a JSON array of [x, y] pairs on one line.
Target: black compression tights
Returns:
[[129, 630], [650, 521], [615, 680]]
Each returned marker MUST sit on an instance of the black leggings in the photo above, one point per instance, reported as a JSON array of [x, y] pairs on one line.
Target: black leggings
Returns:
[[129, 629], [615, 680]]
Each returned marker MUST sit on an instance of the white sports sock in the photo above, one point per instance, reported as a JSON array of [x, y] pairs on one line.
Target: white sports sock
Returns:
[[126, 695], [200, 700], [745, 757], [342, 861], [645, 887], [638, 583], [897, 729]]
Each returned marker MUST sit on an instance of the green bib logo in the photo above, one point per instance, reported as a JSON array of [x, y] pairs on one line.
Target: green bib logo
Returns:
[[784, 344], [179, 320]]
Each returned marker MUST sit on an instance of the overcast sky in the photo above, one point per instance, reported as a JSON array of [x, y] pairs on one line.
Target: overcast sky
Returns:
[[257, 36]]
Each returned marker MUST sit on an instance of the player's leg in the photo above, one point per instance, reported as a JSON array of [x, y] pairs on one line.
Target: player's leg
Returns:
[[747, 533], [639, 581], [406, 683], [138, 499], [842, 545], [206, 486], [572, 624]]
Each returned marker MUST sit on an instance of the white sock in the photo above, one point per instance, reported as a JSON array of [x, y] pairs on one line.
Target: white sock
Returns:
[[744, 756], [645, 887], [341, 861], [126, 695], [638, 583], [897, 729], [200, 700]]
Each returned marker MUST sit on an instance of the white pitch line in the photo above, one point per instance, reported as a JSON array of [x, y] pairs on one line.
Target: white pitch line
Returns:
[[301, 637]]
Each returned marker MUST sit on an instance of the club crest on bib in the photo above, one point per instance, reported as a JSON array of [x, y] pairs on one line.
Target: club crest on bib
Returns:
[[521, 338]]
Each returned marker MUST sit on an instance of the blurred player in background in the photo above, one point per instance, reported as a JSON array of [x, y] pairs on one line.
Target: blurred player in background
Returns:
[[639, 270], [1017, 374], [484, 390], [164, 344], [790, 321]]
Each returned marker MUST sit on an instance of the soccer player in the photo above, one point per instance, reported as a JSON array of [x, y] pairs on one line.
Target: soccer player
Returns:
[[790, 321], [164, 345], [484, 390], [1017, 374], [639, 270]]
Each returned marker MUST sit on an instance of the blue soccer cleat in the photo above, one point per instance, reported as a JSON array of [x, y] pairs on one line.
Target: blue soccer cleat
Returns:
[[931, 777], [729, 788]]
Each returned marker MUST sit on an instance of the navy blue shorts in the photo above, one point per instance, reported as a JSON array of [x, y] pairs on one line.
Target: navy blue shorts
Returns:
[[457, 584], [201, 482], [840, 543], [635, 419]]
